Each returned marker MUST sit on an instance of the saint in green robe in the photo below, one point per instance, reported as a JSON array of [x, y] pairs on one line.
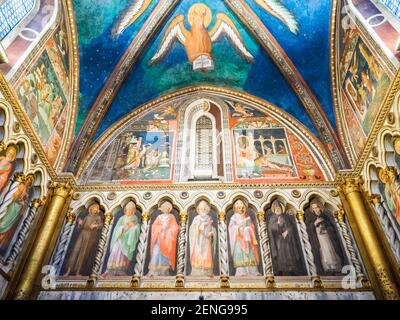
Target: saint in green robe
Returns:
[[123, 244]]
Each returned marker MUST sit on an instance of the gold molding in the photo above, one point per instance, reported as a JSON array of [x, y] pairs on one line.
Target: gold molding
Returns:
[[197, 186]]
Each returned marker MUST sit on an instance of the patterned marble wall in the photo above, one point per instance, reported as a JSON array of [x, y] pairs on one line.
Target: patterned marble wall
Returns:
[[129, 295]]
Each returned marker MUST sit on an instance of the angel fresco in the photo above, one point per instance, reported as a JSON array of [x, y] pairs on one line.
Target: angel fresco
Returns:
[[138, 7], [198, 40], [130, 15], [278, 10]]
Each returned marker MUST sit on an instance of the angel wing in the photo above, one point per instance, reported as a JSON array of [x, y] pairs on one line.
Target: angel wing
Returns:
[[130, 15], [224, 25], [277, 9], [176, 30]]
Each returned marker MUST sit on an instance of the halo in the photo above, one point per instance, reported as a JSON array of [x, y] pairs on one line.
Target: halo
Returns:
[[382, 175], [200, 8], [396, 145]]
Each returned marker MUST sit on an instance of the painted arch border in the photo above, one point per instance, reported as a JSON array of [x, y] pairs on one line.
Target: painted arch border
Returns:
[[393, 74], [296, 127]]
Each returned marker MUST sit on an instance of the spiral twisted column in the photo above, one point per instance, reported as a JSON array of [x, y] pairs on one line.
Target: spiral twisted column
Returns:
[[63, 243], [141, 250], [223, 250], [100, 248], [355, 261], [386, 283], [180, 277], [308, 249], [24, 232], [17, 179], [60, 194], [387, 224], [266, 250]]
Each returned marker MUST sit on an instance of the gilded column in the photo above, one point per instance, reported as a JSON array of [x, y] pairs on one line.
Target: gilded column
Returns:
[[141, 250], [351, 189], [24, 232], [100, 248], [266, 250], [308, 249], [180, 277], [61, 192], [223, 250], [63, 242]]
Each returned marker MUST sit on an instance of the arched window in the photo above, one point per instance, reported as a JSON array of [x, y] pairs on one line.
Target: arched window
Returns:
[[393, 6], [204, 145], [12, 13]]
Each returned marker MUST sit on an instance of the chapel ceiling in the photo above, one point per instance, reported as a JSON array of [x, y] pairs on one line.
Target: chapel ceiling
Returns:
[[133, 51]]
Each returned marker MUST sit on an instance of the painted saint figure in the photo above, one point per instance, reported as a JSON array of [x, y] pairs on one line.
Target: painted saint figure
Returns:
[[86, 241], [203, 241], [284, 249], [243, 241], [324, 240], [123, 242], [6, 165], [13, 213], [164, 233]]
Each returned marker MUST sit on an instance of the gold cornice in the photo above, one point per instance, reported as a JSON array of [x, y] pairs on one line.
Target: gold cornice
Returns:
[[213, 90], [196, 186]]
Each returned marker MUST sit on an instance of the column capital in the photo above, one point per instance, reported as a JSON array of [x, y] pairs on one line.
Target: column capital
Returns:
[[145, 216], [389, 172], [183, 216], [36, 203], [300, 215], [340, 215], [351, 185], [70, 216], [61, 189], [3, 146], [261, 216], [108, 217], [19, 177], [221, 216], [375, 198]]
